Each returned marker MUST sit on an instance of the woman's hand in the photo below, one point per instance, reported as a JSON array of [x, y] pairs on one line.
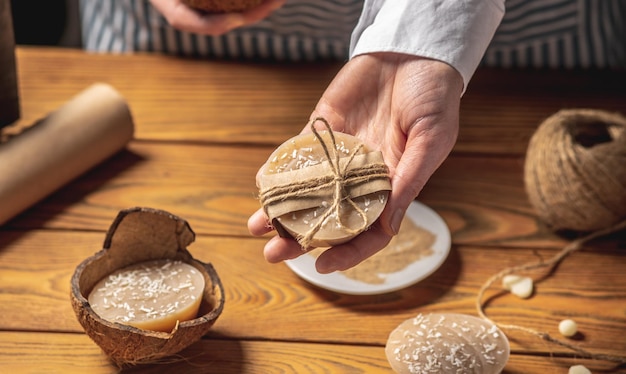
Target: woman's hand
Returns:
[[183, 18], [405, 106]]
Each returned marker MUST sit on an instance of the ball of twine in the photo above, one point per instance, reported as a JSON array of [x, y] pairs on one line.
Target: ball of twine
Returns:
[[575, 170]]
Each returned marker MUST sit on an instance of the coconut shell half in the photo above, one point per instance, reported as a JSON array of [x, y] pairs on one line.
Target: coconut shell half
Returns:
[[138, 235]]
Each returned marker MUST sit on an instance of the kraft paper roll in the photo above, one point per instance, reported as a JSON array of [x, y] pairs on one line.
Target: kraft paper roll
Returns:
[[85, 131]]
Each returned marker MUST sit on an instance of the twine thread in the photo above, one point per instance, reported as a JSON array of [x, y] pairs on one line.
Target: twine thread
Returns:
[[575, 177], [550, 265]]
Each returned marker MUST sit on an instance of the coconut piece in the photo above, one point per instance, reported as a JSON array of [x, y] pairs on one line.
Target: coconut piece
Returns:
[[323, 188], [222, 6], [447, 343], [138, 235], [518, 285]]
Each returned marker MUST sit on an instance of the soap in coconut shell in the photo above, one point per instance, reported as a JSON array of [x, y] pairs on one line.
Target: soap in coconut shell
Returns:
[[447, 343], [222, 6], [138, 235]]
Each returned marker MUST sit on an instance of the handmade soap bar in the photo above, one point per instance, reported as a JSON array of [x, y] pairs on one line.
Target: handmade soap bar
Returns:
[[447, 343], [323, 188], [151, 295]]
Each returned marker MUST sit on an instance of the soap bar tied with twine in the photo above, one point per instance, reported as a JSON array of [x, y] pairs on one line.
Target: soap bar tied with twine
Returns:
[[323, 188], [575, 177]]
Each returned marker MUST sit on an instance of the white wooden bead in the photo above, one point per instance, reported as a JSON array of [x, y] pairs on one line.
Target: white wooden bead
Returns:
[[568, 327]]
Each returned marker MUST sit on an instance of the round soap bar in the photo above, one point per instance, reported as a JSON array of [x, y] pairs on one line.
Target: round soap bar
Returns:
[[447, 343], [304, 151], [152, 295]]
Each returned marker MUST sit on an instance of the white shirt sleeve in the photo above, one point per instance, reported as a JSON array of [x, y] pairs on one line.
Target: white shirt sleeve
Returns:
[[456, 32]]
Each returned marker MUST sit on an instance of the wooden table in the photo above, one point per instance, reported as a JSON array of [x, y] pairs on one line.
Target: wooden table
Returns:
[[202, 131]]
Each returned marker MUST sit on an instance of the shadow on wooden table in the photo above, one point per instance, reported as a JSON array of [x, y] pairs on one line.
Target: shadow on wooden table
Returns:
[[523, 364], [204, 356], [36, 216], [423, 293]]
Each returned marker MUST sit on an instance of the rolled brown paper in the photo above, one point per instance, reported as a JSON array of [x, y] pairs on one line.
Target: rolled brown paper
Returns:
[[85, 131], [9, 99]]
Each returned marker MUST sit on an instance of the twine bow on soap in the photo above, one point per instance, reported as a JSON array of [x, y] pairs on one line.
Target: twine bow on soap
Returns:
[[341, 178]]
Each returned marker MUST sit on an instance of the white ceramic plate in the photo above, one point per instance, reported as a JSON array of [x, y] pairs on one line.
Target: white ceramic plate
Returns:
[[422, 216]]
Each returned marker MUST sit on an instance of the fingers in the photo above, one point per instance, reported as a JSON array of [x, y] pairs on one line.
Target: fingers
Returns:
[[277, 249], [184, 18], [258, 223], [337, 258], [280, 249], [340, 257]]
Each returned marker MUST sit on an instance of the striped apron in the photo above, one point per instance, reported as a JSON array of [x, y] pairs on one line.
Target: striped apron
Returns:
[[533, 33]]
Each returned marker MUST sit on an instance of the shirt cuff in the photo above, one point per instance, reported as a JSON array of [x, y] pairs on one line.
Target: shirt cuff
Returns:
[[456, 32]]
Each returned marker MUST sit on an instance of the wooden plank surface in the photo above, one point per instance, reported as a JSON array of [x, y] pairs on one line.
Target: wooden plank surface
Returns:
[[201, 101], [196, 153], [191, 100], [481, 198], [39, 353], [266, 301]]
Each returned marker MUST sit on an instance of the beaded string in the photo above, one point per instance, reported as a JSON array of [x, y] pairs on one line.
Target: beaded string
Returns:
[[550, 265]]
